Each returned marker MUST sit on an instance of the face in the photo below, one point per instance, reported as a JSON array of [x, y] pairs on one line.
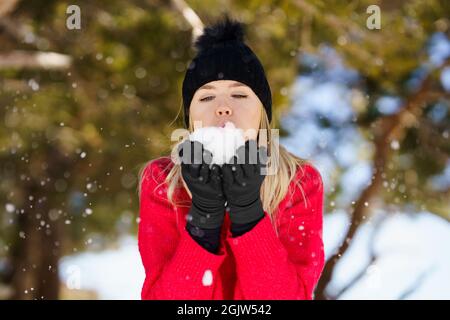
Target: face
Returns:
[[220, 101]]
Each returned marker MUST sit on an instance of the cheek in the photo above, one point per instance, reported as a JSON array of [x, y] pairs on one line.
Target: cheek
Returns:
[[249, 116], [199, 110], [203, 113], [252, 110]]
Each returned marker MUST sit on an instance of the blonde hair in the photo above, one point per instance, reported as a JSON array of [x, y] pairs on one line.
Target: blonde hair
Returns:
[[275, 186]]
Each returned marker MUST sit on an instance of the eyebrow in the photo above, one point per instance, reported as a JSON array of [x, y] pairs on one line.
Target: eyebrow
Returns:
[[235, 84]]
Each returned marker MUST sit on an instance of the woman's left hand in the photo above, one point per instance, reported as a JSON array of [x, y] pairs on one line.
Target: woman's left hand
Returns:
[[242, 180]]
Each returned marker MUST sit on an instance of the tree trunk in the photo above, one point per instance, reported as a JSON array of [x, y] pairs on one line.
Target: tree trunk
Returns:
[[36, 253], [39, 247], [386, 130]]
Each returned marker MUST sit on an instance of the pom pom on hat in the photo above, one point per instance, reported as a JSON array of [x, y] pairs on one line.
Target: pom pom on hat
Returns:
[[223, 31]]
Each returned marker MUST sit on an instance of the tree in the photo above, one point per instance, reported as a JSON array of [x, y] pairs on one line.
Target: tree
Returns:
[[81, 121]]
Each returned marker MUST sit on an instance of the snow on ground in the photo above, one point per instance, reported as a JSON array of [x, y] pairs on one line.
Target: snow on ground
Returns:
[[114, 274], [409, 247]]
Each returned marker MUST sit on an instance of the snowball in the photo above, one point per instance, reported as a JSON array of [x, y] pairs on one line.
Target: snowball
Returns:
[[221, 142]]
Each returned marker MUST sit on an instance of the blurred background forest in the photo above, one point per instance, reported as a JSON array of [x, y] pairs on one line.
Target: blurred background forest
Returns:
[[83, 109]]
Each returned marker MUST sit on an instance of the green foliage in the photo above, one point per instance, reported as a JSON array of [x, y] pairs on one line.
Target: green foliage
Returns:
[[113, 110]]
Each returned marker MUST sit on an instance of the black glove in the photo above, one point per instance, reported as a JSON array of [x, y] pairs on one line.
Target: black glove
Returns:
[[205, 184], [240, 229], [243, 178], [207, 238]]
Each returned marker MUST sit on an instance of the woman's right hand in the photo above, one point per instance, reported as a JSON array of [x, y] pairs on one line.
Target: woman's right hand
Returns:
[[204, 183]]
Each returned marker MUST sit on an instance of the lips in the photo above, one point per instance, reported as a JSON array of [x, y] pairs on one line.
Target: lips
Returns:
[[222, 124]]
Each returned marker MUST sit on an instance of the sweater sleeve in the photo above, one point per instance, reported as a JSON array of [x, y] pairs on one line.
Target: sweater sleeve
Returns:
[[176, 266], [286, 266]]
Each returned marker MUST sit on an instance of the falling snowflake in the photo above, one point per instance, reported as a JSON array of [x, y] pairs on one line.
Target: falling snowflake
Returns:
[[207, 278], [10, 207], [395, 145], [33, 85]]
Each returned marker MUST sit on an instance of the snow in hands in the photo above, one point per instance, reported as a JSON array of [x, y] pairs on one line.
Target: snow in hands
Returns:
[[222, 142]]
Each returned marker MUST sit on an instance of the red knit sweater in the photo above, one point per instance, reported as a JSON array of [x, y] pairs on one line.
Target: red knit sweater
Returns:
[[256, 265]]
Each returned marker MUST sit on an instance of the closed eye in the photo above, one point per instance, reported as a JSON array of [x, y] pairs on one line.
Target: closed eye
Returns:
[[206, 98], [239, 96]]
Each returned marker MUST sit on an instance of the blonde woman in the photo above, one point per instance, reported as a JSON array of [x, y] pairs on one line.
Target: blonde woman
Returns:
[[230, 232]]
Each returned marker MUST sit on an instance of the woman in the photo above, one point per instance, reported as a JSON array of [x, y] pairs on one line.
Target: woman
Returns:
[[267, 242]]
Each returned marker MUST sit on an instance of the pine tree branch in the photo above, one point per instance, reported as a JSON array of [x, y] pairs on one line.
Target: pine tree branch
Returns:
[[34, 60], [7, 6], [387, 129]]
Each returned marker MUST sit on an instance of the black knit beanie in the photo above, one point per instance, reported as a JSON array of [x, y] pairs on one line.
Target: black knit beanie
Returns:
[[223, 55]]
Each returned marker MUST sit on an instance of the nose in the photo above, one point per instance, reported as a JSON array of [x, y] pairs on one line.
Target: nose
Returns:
[[223, 111]]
